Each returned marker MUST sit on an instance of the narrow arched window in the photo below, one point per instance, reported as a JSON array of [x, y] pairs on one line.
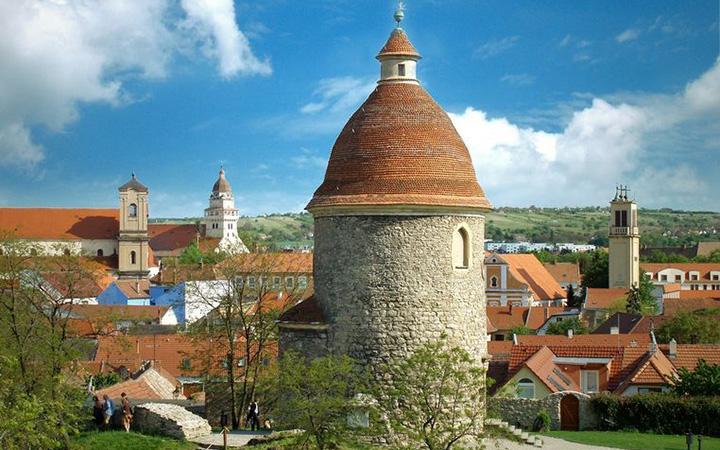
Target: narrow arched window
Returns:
[[132, 210], [461, 248], [100, 252], [526, 388], [133, 257], [493, 282]]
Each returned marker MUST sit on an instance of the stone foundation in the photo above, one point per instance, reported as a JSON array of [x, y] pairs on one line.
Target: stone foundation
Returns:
[[169, 420]]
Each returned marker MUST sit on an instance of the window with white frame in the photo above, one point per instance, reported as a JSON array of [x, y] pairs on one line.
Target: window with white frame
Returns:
[[241, 362], [289, 282], [276, 282], [589, 381], [251, 281], [302, 282], [526, 388]]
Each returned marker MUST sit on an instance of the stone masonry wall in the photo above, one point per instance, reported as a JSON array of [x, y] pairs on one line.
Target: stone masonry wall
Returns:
[[523, 411], [311, 343], [169, 420], [387, 284]]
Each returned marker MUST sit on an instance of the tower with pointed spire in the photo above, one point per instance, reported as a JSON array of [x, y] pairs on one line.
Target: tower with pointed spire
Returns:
[[133, 240], [221, 217], [399, 230]]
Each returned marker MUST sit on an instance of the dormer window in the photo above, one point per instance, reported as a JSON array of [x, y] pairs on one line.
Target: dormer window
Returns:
[[401, 70], [132, 210]]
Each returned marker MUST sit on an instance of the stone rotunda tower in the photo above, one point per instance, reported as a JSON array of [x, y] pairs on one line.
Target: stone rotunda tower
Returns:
[[399, 230]]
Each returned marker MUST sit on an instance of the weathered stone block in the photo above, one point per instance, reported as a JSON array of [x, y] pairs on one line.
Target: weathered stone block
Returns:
[[169, 420]]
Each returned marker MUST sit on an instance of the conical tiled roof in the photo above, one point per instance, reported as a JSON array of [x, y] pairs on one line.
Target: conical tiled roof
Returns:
[[133, 184], [399, 148], [221, 185], [398, 44]]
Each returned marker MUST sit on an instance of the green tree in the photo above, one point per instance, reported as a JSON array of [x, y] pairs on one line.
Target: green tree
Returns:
[[570, 296], [521, 330], [704, 380], [318, 396], [595, 271], [696, 327], [40, 405], [562, 327], [436, 398]]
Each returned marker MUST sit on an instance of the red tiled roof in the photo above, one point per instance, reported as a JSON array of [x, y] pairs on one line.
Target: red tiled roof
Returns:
[[73, 284], [134, 288], [500, 350], [585, 340], [527, 269], [509, 317], [542, 365], [672, 306], [119, 312], [703, 268], [307, 311], [689, 294], [60, 223], [170, 237], [604, 298], [270, 263], [152, 384], [166, 350], [564, 272], [399, 148], [688, 355], [398, 44]]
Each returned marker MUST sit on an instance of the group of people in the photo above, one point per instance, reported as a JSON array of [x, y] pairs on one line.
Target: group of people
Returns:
[[103, 411]]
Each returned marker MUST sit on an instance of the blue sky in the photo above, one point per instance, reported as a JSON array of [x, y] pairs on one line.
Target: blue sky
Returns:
[[557, 101]]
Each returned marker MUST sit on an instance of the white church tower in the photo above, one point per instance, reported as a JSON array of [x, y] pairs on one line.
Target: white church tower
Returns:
[[221, 217]]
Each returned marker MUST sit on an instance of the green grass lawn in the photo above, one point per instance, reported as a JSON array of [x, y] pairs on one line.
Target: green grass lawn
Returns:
[[634, 441], [118, 440]]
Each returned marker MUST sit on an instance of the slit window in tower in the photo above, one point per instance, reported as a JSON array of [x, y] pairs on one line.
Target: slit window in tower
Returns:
[[401, 70], [132, 257]]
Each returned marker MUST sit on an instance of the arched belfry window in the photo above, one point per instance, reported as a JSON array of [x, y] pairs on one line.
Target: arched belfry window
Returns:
[[100, 252], [461, 248], [493, 282], [133, 257], [132, 210]]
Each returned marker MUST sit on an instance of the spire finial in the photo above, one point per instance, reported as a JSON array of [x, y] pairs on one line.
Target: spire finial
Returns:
[[132, 174], [399, 13]]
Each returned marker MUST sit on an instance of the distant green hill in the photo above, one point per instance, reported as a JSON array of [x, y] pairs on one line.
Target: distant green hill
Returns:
[[658, 227]]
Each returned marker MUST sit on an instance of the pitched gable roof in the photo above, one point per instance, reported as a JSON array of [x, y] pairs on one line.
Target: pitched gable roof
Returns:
[[604, 298], [60, 223], [527, 269], [564, 272]]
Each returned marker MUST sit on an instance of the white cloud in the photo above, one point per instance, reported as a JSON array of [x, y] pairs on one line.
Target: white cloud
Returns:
[[307, 158], [494, 47], [215, 20], [518, 79], [604, 143], [57, 54], [338, 95], [628, 35]]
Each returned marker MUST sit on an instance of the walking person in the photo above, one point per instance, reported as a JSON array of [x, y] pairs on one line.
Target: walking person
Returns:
[[108, 410], [253, 416], [98, 408], [126, 412]]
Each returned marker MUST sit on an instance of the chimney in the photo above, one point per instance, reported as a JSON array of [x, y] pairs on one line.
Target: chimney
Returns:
[[570, 333], [137, 346], [547, 312], [614, 330], [515, 339], [653, 342], [672, 353], [137, 285]]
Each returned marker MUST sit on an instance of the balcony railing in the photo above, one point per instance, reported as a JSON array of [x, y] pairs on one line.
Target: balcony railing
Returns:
[[623, 231]]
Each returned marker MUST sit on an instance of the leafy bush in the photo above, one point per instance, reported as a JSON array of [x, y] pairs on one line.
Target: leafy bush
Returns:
[[542, 422], [704, 380], [658, 413]]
